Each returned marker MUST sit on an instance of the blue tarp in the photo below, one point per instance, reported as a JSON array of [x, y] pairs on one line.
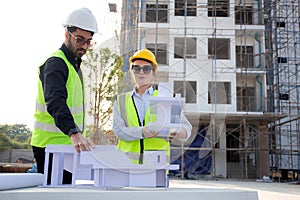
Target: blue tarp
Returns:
[[196, 162]]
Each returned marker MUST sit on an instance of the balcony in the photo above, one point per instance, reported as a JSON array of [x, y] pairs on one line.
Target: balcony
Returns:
[[247, 104]]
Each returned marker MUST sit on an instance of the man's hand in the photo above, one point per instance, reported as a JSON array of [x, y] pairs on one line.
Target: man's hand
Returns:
[[147, 134], [81, 143]]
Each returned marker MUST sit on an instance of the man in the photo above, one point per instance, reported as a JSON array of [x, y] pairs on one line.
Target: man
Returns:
[[60, 113]]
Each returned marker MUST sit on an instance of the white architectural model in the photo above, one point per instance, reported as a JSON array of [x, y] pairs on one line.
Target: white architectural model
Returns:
[[168, 111], [106, 167]]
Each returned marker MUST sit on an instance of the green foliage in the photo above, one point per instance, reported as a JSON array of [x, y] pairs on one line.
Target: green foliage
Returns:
[[104, 76], [15, 136], [14, 130], [5, 142]]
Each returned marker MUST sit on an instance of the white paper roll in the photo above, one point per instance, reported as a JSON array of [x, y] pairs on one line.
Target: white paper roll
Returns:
[[20, 180]]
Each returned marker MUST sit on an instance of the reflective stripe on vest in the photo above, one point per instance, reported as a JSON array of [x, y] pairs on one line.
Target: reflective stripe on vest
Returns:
[[134, 157], [122, 108], [129, 115], [74, 110], [48, 127], [45, 131]]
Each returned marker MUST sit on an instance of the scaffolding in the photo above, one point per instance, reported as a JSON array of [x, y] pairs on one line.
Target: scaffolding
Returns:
[[263, 138], [282, 28]]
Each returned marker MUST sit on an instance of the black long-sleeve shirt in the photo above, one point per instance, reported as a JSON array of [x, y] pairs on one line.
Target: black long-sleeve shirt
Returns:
[[54, 75]]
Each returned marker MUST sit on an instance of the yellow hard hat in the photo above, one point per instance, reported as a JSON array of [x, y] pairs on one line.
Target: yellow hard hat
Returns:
[[144, 54]]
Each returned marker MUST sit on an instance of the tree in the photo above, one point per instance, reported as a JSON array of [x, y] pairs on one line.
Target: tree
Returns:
[[15, 136], [104, 74], [15, 130], [5, 142]]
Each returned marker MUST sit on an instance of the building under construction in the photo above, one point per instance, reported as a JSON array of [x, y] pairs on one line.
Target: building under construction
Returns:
[[236, 65]]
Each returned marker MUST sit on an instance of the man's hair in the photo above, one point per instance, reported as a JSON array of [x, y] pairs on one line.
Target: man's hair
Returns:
[[74, 28]]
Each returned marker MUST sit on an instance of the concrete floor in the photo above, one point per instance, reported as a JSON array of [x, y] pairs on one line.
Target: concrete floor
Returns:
[[179, 189], [265, 191]]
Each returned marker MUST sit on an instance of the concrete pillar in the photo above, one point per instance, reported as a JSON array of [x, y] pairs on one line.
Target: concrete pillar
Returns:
[[220, 155], [263, 152]]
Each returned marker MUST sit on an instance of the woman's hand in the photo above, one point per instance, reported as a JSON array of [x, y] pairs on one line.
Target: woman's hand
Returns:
[[180, 135], [148, 134]]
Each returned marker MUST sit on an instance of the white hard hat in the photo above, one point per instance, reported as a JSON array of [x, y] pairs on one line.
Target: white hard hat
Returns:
[[82, 18]]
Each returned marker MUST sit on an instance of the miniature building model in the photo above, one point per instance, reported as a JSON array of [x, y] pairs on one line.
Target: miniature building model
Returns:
[[167, 109], [106, 167]]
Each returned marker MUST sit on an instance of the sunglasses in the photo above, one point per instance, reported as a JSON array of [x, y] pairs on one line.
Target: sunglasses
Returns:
[[146, 69], [81, 41]]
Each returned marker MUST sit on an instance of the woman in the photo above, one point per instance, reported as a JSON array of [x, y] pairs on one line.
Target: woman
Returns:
[[131, 111]]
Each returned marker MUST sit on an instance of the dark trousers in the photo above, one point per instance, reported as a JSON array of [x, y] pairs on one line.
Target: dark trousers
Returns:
[[39, 155]]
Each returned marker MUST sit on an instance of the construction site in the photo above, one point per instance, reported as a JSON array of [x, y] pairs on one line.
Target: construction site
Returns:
[[233, 64], [236, 64]]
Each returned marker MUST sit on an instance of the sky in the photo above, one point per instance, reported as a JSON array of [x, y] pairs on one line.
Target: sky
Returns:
[[31, 30]]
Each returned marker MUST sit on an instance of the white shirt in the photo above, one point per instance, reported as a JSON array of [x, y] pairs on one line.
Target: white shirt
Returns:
[[141, 103]]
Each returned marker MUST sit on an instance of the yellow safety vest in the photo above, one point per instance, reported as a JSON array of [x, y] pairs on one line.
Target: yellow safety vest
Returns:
[[134, 149], [45, 131]]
